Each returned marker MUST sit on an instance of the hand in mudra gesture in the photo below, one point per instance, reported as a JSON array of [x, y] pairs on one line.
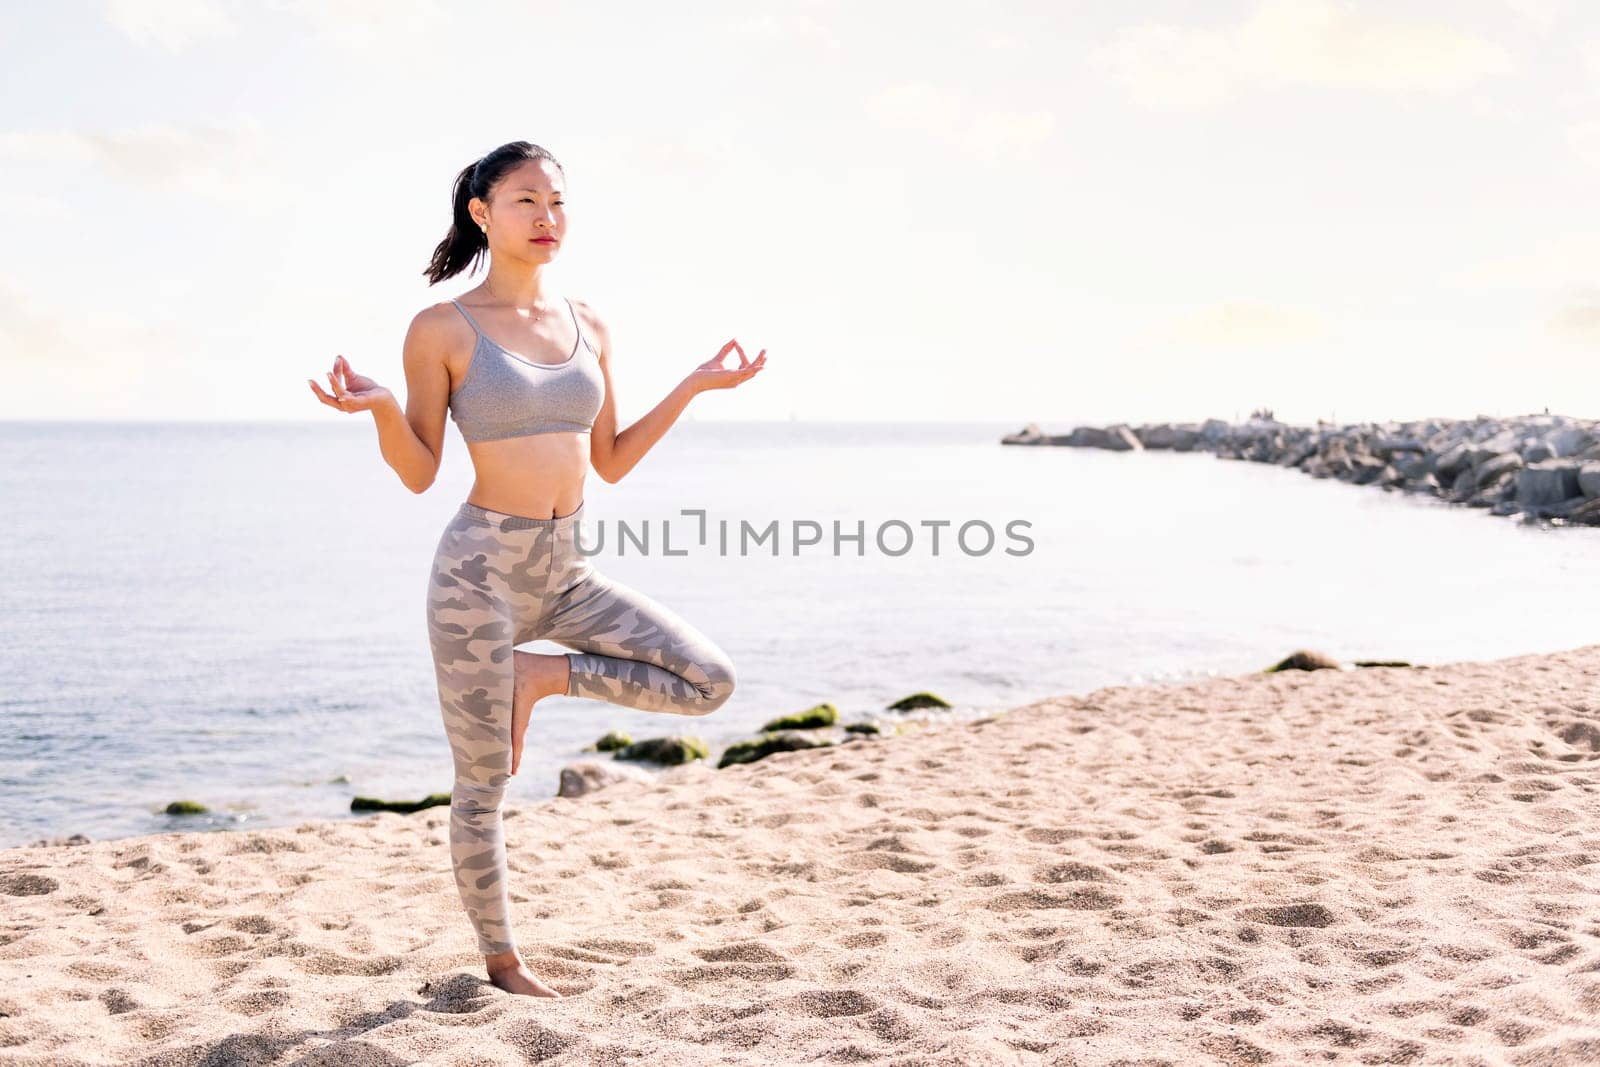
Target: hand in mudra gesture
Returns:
[[351, 391], [713, 375]]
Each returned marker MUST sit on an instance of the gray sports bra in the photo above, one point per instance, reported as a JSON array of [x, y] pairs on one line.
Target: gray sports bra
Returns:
[[504, 395]]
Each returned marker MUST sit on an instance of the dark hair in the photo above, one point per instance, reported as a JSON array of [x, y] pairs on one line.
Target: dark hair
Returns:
[[465, 244]]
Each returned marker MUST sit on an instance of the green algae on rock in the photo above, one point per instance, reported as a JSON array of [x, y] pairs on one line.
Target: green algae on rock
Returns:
[[812, 718], [920, 700], [750, 751], [612, 741], [670, 751], [186, 807], [404, 807]]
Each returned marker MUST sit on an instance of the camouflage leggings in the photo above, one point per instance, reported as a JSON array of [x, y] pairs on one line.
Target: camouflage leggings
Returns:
[[501, 580]]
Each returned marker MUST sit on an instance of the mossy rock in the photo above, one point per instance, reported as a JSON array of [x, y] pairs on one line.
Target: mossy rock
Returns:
[[766, 745], [404, 807], [920, 700], [186, 807], [811, 719], [668, 751], [612, 741], [862, 728], [1305, 660], [1382, 663]]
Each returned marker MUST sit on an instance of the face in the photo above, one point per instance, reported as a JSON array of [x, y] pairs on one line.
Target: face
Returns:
[[527, 204]]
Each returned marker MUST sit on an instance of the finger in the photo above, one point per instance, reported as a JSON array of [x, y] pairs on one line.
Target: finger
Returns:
[[338, 390], [325, 398]]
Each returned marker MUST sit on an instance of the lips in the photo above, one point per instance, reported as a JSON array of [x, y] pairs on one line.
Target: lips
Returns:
[[544, 240]]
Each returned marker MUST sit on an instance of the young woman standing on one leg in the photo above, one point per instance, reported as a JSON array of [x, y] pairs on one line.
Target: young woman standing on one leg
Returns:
[[514, 367]]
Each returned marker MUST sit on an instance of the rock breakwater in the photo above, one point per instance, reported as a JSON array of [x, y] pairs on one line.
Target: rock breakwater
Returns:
[[1545, 468]]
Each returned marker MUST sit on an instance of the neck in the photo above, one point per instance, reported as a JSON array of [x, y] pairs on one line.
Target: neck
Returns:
[[518, 287]]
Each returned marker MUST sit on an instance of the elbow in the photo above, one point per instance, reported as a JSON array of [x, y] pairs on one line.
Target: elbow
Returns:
[[420, 487]]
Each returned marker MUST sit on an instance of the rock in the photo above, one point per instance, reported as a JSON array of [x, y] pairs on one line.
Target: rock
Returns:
[[1305, 660], [1546, 483], [405, 807], [1381, 663], [1589, 479], [1451, 463], [1121, 439], [1160, 436], [812, 718], [750, 751], [1587, 513], [186, 807], [1490, 470], [1369, 469], [1569, 441], [583, 777], [1535, 451], [1386, 445], [1426, 484], [862, 728], [613, 740], [920, 700], [669, 751], [1412, 465], [1028, 435]]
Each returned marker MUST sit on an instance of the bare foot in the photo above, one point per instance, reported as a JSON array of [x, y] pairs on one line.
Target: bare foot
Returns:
[[516, 978], [537, 676]]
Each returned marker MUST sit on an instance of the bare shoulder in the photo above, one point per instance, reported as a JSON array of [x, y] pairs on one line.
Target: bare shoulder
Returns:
[[441, 326], [594, 325]]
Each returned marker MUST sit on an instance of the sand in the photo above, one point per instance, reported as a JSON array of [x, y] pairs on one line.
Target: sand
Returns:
[[1365, 866]]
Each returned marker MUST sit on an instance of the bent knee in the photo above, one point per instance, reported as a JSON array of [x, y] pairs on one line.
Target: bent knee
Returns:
[[718, 687]]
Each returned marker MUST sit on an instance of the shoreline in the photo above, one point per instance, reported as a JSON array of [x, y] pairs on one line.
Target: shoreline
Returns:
[[1389, 862]]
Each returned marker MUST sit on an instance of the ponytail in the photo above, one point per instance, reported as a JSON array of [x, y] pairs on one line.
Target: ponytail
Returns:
[[463, 247]]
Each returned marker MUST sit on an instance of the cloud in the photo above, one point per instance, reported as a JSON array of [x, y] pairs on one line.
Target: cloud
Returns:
[[1584, 140], [785, 27], [223, 162], [171, 24], [1578, 320], [948, 117], [1240, 325], [362, 25], [1320, 43], [1571, 259], [1542, 13]]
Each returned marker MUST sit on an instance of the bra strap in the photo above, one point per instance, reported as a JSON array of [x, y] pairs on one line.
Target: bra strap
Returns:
[[471, 321], [578, 325]]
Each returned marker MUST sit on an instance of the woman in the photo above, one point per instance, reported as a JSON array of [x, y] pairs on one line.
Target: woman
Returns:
[[532, 397]]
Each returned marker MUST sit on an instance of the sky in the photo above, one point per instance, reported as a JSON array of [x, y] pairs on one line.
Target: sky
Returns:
[[1029, 212]]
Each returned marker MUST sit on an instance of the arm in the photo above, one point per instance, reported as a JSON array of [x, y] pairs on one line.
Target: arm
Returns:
[[412, 441], [614, 454]]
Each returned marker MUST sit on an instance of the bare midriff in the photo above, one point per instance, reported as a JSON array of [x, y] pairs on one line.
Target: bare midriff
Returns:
[[538, 477]]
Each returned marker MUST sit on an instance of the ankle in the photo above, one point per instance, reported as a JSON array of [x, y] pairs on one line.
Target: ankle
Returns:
[[502, 961]]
